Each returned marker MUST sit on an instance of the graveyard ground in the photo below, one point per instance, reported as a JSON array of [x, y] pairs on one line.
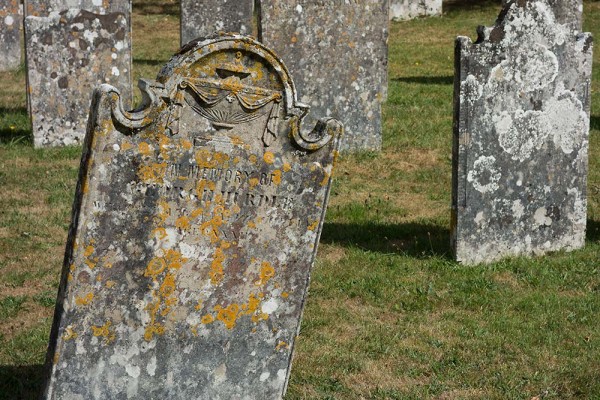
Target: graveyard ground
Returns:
[[389, 314]]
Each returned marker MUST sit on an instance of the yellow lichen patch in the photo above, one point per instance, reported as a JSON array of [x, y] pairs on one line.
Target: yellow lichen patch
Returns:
[[152, 173], [159, 233], [203, 185], [85, 300], [207, 159], [228, 316], [126, 146], [285, 295], [253, 158], [287, 167], [186, 144], [216, 266], [207, 319], [89, 250], [69, 334], [269, 157], [155, 267], [110, 284], [183, 223], [325, 180], [313, 226], [251, 225], [277, 177], [282, 345], [164, 211], [266, 273], [198, 306], [105, 331], [253, 182], [153, 329], [144, 148]]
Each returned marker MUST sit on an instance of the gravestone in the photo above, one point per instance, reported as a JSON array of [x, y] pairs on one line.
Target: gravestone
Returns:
[[522, 106], [10, 35], [337, 53], [568, 12], [69, 53], [195, 228], [202, 18], [410, 9], [43, 8]]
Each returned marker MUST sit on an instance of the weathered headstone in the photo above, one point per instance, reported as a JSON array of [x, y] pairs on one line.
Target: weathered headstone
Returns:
[[10, 35], [43, 8], [337, 53], [522, 104], [411, 9], [569, 12], [195, 227], [68, 54], [202, 18]]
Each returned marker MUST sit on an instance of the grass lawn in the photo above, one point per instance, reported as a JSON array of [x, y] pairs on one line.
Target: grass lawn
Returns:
[[389, 314]]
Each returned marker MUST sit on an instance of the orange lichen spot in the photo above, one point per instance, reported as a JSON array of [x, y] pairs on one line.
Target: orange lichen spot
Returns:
[[126, 146], [251, 225], [216, 267], [186, 144], [85, 188], [153, 329], [198, 306], [294, 39], [183, 223], [207, 319], [285, 295], [88, 251], [260, 317], [253, 182], [282, 345], [152, 173], [269, 157], [313, 226], [266, 273], [144, 148], [159, 233], [69, 334], [197, 212], [167, 288], [228, 316], [155, 267], [252, 158], [277, 177], [287, 167], [85, 300], [110, 284], [105, 331], [325, 180]]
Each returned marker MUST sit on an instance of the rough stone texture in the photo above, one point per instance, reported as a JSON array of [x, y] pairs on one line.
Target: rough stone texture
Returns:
[[202, 18], [568, 12], [10, 35], [43, 8], [68, 54], [411, 9], [195, 227], [337, 53], [522, 104]]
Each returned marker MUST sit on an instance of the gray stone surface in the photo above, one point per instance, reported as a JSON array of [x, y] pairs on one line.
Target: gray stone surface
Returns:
[[43, 8], [201, 18], [337, 53], [68, 54], [567, 12], [522, 104], [411, 9], [195, 227], [10, 35]]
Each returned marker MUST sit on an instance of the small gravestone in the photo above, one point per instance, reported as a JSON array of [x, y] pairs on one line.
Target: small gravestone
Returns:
[[195, 228], [43, 8], [69, 53], [567, 12], [10, 35], [337, 53], [201, 18], [411, 9], [522, 106]]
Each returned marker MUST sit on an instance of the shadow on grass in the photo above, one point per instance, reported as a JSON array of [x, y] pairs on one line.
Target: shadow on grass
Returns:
[[150, 7], [11, 131], [595, 122], [21, 382], [593, 231], [426, 80], [420, 241], [468, 5], [152, 63]]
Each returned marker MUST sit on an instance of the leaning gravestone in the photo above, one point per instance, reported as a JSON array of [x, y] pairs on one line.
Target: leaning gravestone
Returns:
[[68, 53], [43, 8], [195, 227], [522, 104], [411, 9], [337, 53], [201, 18], [10, 35]]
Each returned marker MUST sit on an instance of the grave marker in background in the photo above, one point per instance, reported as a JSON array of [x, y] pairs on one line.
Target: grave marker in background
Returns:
[[68, 54], [566, 12], [201, 18], [410, 9], [10, 35], [522, 106], [336, 51], [43, 8], [195, 228]]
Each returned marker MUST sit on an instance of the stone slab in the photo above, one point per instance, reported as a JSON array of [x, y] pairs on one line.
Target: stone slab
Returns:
[[43, 8], [337, 53], [68, 54], [10, 35], [202, 18], [195, 227], [401, 10], [569, 12], [522, 107]]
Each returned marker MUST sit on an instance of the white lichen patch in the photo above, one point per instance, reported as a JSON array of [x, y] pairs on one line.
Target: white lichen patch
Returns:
[[484, 176]]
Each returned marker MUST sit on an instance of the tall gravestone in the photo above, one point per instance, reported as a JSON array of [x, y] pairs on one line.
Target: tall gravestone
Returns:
[[568, 12], [68, 53], [201, 18], [522, 106], [43, 8], [410, 9], [195, 227], [337, 53], [10, 35]]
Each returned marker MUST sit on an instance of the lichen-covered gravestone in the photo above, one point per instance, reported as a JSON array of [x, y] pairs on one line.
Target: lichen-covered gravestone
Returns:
[[201, 18], [68, 54], [522, 104], [43, 8], [569, 12], [337, 53], [410, 9], [10, 35], [195, 228]]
